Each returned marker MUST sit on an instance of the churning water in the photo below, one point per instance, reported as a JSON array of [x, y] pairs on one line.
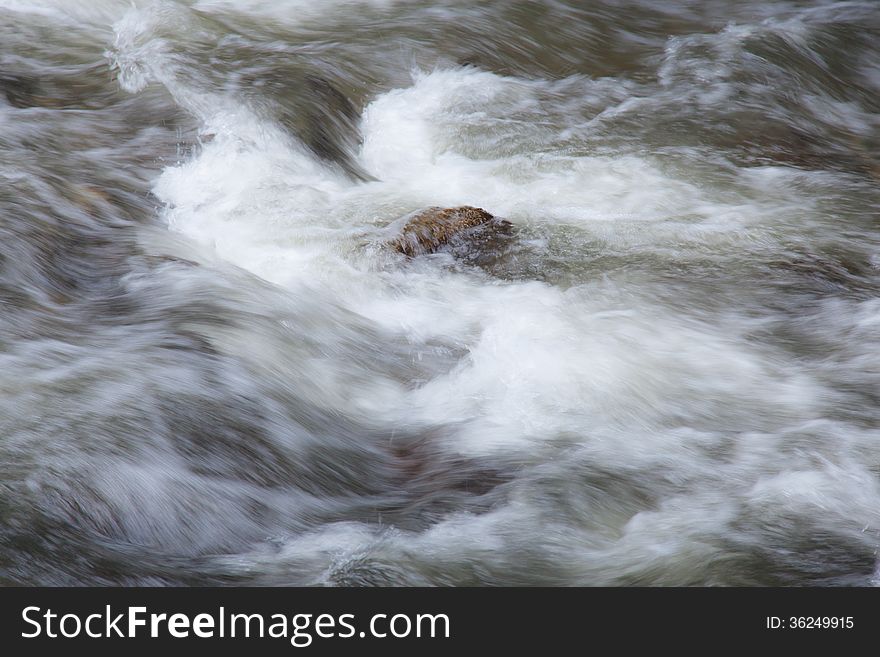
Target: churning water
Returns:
[[212, 371]]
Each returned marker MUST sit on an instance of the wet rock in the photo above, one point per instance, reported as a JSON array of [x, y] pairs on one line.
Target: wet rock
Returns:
[[428, 230]]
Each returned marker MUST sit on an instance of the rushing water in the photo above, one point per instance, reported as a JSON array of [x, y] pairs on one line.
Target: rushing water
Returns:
[[213, 371]]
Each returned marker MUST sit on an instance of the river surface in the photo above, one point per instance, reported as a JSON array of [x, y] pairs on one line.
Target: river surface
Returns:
[[213, 370]]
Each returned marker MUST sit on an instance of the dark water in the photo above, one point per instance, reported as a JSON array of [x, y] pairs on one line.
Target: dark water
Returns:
[[213, 371]]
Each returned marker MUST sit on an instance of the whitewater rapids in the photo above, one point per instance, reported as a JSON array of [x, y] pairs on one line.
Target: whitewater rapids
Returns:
[[212, 372]]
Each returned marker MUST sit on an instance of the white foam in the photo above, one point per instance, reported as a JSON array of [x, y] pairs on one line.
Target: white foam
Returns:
[[101, 12], [291, 12], [538, 357], [602, 371], [254, 190]]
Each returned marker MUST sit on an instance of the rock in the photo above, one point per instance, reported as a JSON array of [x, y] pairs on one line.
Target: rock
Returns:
[[427, 230]]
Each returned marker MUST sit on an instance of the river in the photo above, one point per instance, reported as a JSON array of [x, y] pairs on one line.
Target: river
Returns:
[[213, 370]]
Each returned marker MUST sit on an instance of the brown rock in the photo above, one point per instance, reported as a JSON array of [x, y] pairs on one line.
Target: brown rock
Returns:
[[427, 230]]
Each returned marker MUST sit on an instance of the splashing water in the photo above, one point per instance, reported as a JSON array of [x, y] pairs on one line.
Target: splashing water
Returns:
[[214, 371]]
